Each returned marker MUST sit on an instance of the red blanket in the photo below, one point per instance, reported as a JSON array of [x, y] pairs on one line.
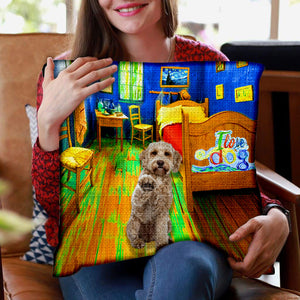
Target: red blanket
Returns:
[[173, 134]]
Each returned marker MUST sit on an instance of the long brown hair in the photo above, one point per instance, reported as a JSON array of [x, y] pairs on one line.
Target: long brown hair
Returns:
[[95, 36]]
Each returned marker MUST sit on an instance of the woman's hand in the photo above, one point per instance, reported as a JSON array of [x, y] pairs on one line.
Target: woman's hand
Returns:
[[62, 95], [269, 235]]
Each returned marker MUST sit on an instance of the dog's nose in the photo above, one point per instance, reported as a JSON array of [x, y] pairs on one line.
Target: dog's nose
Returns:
[[160, 163]]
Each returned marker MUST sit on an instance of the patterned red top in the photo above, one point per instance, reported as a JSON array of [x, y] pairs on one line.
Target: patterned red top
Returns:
[[46, 165]]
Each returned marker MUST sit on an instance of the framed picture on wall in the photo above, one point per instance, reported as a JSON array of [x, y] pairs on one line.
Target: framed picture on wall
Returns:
[[174, 77]]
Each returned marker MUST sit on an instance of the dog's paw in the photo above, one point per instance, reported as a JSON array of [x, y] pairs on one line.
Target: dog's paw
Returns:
[[147, 187], [138, 243], [147, 183]]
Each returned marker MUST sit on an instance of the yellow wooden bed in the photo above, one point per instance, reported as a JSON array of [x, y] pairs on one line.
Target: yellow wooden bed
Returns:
[[200, 137]]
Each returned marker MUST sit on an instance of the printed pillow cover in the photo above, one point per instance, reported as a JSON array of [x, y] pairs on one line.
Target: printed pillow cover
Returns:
[[124, 197]]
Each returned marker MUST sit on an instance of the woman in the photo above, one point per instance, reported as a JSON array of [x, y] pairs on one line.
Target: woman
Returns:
[[137, 31]]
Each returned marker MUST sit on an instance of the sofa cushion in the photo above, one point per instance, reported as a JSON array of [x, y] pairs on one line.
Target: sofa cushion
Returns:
[[25, 280]]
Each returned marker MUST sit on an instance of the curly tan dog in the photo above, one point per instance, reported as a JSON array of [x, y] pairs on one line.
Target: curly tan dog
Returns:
[[152, 197]]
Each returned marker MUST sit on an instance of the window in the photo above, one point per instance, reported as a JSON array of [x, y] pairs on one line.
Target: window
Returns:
[[212, 21], [218, 21], [131, 81], [289, 21], [17, 16]]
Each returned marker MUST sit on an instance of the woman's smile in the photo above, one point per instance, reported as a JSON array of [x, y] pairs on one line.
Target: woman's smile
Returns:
[[133, 16], [130, 9]]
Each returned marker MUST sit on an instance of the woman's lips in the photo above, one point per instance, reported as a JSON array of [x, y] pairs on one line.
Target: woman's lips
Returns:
[[130, 10]]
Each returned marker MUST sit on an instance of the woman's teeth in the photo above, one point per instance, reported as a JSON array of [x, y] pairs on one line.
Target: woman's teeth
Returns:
[[125, 10]]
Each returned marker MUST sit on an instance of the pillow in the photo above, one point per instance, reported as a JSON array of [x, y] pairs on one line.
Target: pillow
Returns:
[[196, 114], [40, 251], [32, 116], [214, 193], [170, 115]]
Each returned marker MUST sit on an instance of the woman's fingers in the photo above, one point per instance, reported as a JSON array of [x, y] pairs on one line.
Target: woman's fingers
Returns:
[[96, 75], [78, 62], [85, 65], [49, 71], [87, 71], [98, 86], [269, 235], [63, 94]]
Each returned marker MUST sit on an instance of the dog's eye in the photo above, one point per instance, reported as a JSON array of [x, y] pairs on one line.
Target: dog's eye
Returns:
[[167, 154], [153, 153]]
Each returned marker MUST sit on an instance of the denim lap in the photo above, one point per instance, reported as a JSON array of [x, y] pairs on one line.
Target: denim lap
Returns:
[[186, 270], [183, 270], [117, 280]]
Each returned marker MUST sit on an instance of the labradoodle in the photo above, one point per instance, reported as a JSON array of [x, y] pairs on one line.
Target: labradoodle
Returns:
[[152, 197]]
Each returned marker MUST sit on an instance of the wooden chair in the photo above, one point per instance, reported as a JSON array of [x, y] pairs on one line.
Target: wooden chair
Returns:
[[136, 125], [280, 95], [76, 160]]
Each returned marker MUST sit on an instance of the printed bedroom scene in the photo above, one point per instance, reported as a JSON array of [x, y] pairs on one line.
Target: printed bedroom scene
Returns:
[[235, 124], [212, 105]]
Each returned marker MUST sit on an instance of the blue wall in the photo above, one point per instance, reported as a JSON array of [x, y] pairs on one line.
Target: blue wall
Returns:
[[203, 79]]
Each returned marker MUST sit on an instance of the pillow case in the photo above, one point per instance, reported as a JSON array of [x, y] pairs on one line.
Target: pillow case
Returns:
[[172, 115], [32, 117], [196, 114], [167, 116], [40, 251], [211, 199]]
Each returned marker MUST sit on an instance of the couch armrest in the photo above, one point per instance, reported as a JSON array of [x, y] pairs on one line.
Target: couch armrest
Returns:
[[278, 187]]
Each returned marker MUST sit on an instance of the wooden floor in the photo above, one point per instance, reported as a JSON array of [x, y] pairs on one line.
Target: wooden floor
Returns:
[[98, 233]]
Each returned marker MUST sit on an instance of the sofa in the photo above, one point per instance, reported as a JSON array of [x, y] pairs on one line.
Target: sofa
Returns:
[[21, 59]]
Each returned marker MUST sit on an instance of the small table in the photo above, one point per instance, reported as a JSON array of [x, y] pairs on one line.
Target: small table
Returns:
[[110, 121]]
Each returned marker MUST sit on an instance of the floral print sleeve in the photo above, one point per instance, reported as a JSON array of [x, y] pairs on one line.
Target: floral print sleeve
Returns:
[[46, 180], [189, 50]]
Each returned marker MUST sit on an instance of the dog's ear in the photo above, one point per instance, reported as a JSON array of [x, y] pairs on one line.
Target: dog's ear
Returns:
[[177, 160], [143, 156]]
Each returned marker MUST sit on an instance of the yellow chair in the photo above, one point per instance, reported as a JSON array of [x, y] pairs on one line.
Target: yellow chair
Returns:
[[76, 160], [141, 129]]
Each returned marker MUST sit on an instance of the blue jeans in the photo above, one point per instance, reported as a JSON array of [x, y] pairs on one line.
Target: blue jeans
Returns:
[[183, 270]]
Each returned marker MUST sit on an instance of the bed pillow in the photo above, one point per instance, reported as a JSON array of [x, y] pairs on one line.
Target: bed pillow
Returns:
[[40, 251], [170, 115], [196, 113]]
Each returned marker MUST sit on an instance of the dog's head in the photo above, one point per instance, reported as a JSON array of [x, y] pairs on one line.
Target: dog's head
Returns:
[[160, 158]]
